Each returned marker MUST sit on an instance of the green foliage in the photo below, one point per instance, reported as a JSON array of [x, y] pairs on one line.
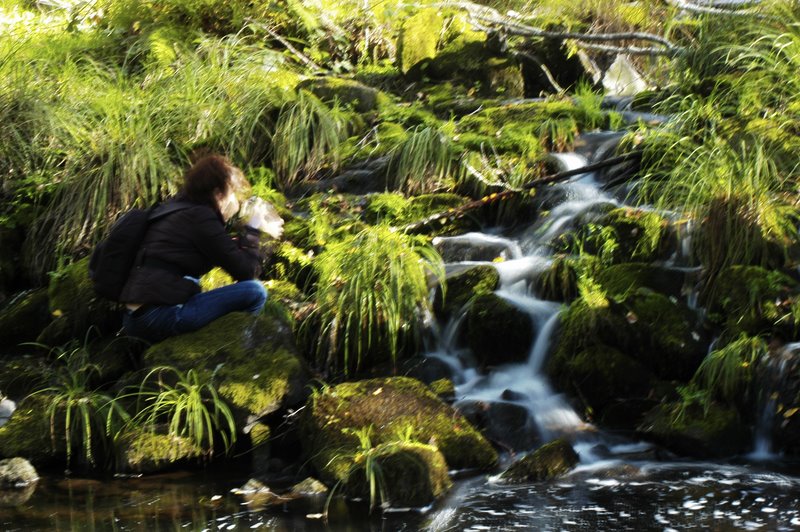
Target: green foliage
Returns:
[[306, 139], [371, 289], [90, 419], [727, 372], [692, 398], [422, 161], [191, 407]]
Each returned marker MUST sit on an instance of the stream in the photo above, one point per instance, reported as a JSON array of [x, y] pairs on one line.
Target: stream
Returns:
[[619, 484]]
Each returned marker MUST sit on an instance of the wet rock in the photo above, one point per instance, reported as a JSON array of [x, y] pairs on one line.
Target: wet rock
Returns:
[[412, 475], [504, 423], [393, 407], [712, 432], [17, 497], [309, 487], [17, 473], [259, 496], [472, 247], [752, 300], [24, 317], [27, 433], [548, 462], [254, 359], [147, 452], [7, 408], [497, 332], [463, 287]]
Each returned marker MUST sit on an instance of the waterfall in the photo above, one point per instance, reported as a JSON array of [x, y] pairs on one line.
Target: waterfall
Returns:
[[523, 385]]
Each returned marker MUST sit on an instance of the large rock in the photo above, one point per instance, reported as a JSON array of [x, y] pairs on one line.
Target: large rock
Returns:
[[410, 474], [24, 317], [17, 473], [390, 406], [419, 37], [497, 331], [505, 423], [548, 462], [76, 307], [254, 359], [712, 432], [27, 433], [346, 92], [149, 452], [463, 287]]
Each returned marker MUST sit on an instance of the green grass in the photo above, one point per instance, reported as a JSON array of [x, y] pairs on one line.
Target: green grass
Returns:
[[371, 290], [727, 372], [188, 404]]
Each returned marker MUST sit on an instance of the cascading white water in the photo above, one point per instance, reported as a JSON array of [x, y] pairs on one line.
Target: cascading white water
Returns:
[[525, 382]]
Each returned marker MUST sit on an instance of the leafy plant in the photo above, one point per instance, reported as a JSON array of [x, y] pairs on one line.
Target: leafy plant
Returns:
[[371, 289], [89, 418], [726, 372], [691, 398], [190, 407], [306, 139], [422, 161]]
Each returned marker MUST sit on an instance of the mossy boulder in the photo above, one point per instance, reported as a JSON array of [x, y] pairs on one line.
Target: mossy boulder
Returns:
[[711, 432], [149, 452], [752, 299], [412, 474], [464, 287], [497, 331], [559, 282], [550, 461], [360, 97], [17, 473], [76, 307], [600, 375], [254, 359], [444, 389], [24, 317], [620, 280], [391, 407], [27, 434], [419, 37]]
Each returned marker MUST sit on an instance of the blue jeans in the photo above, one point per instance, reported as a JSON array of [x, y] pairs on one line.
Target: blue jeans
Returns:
[[157, 322]]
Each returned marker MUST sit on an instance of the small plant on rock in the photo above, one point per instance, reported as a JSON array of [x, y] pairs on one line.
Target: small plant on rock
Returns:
[[189, 405]]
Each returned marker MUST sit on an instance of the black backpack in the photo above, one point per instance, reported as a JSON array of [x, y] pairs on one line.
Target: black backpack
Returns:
[[114, 257]]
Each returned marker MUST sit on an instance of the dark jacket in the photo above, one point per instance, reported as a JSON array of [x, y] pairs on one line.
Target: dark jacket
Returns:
[[188, 243]]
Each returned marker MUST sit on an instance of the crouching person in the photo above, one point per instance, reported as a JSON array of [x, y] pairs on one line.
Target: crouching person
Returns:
[[162, 294]]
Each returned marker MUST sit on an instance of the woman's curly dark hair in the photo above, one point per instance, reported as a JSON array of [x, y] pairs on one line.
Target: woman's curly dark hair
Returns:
[[208, 176]]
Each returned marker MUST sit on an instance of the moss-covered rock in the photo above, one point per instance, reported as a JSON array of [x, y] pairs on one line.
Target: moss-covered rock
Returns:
[[462, 288], [751, 299], [24, 317], [497, 331], [620, 280], [148, 452], [419, 37], [443, 388], [391, 406], [17, 473], [254, 359], [548, 462], [360, 97], [716, 431], [559, 282], [27, 434], [600, 374], [411, 474], [76, 307]]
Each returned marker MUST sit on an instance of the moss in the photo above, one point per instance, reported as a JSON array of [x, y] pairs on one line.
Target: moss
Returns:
[[419, 36], [599, 375], [74, 303], [389, 207], [390, 406], [640, 234], [20, 376], [24, 317], [548, 462], [716, 431], [27, 434], [443, 388], [254, 359], [412, 474], [751, 299], [465, 287], [148, 452], [560, 281], [260, 434], [621, 280], [498, 332]]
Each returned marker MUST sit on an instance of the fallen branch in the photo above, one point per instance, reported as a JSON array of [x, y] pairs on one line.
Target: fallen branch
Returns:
[[294, 51], [714, 8], [458, 212]]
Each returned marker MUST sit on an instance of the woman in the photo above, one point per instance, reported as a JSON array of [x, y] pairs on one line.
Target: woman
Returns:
[[162, 294]]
